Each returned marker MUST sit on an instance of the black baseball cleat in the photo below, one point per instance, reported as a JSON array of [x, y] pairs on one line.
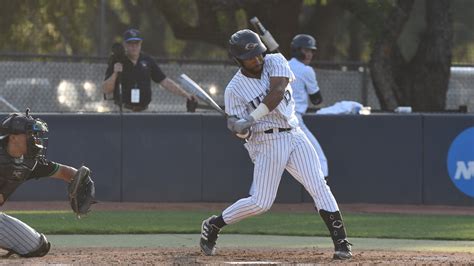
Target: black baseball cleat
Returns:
[[209, 234], [342, 250]]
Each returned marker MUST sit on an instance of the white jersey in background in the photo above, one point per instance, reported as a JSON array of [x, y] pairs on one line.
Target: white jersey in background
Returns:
[[304, 84], [244, 94]]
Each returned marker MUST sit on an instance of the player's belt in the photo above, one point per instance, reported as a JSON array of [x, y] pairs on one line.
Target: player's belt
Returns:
[[276, 130]]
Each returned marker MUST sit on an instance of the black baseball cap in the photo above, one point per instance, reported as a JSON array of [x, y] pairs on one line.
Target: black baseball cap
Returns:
[[132, 35]]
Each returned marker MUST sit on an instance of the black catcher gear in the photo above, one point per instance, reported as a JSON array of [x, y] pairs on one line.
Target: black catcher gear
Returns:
[[35, 129], [302, 41], [81, 191], [246, 44]]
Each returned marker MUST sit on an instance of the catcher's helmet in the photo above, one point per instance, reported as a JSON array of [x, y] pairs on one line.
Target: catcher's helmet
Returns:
[[302, 41], [246, 44], [34, 128]]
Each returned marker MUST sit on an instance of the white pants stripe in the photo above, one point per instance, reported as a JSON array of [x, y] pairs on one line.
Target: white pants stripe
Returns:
[[17, 236], [286, 150], [319, 150]]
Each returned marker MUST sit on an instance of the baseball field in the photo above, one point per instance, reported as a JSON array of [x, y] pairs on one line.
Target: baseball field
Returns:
[[168, 233]]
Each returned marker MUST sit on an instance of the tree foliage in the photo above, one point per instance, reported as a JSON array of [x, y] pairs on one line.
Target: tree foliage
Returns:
[[422, 80], [409, 43]]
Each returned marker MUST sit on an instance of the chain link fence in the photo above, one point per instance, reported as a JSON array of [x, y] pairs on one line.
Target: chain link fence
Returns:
[[56, 84]]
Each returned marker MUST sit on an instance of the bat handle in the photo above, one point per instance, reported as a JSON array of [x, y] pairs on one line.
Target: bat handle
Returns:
[[266, 36]]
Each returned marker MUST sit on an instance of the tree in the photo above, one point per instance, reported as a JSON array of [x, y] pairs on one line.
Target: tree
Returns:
[[213, 21], [420, 81]]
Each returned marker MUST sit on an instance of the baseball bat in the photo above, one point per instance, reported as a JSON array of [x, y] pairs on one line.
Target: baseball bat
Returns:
[[265, 35], [192, 87]]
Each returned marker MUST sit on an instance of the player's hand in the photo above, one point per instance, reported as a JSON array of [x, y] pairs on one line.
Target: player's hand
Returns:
[[118, 67], [242, 125], [191, 103]]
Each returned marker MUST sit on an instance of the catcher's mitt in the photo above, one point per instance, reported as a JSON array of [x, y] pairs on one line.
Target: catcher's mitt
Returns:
[[81, 191]]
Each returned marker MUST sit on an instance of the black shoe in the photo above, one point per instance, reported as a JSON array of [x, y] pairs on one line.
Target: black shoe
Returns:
[[209, 234], [343, 250]]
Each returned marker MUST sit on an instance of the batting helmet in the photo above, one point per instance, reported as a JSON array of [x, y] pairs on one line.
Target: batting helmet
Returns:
[[246, 44], [302, 41]]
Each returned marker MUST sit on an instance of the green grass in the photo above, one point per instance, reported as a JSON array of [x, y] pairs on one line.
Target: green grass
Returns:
[[441, 227]]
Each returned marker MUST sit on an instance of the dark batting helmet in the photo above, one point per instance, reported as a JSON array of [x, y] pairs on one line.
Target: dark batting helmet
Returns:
[[302, 41], [246, 44]]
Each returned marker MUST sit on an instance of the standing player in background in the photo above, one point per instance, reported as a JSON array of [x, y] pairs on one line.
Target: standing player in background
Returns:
[[22, 145], [303, 47], [137, 70], [260, 106]]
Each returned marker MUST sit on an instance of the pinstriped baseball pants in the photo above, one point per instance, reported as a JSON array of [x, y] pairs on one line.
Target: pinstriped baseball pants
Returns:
[[322, 157], [17, 236], [272, 154]]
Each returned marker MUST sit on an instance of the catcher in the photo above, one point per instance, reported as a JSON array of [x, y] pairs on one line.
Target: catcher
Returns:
[[23, 143]]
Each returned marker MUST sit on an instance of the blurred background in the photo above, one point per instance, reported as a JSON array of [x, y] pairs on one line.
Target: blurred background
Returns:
[[383, 54]]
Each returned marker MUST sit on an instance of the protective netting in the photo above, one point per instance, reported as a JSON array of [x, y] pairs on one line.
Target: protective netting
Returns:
[[76, 86]]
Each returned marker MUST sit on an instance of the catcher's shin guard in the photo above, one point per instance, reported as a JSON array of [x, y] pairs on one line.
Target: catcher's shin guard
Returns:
[[209, 235], [335, 225]]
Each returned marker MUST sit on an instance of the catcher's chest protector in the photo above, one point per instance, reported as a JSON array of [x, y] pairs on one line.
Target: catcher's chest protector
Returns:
[[13, 172]]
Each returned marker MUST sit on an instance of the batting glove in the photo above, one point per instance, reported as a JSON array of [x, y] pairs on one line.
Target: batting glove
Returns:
[[242, 125]]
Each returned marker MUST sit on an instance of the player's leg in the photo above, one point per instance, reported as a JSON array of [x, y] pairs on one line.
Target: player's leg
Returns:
[[19, 238], [270, 161], [319, 150], [303, 167]]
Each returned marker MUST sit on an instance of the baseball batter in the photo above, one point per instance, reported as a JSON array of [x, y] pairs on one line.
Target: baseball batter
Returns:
[[303, 47], [22, 145], [260, 106]]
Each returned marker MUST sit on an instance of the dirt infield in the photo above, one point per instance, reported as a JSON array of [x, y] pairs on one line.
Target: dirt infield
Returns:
[[192, 256]]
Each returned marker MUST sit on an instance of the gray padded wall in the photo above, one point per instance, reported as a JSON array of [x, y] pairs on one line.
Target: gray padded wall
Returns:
[[374, 158], [161, 157], [89, 139], [165, 157], [439, 133]]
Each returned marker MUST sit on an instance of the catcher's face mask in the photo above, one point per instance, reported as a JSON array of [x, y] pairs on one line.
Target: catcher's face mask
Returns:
[[34, 129], [37, 139]]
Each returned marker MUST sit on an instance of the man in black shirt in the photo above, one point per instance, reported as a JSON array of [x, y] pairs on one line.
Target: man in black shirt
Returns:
[[136, 72], [22, 145]]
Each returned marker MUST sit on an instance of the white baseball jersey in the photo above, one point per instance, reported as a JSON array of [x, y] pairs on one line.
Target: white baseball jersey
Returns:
[[304, 84], [244, 94], [275, 151]]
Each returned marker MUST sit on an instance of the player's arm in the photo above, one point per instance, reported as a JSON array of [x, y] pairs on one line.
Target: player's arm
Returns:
[[312, 87], [111, 77], [280, 76], [54, 170], [174, 88], [235, 108], [316, 98], [277, 91], [65, 173]]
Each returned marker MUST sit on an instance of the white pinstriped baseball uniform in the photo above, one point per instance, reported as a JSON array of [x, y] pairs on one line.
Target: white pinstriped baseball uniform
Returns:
[[272, 153], [304, 84], [18, 236]]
